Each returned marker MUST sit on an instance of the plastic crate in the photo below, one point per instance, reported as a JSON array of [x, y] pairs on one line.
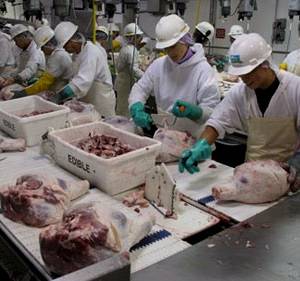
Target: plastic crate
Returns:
[[31, 128], [113, 175]]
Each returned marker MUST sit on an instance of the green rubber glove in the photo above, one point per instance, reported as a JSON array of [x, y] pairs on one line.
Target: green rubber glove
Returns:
[[140, 117], [190, 158], [65, 94], [186, 109]]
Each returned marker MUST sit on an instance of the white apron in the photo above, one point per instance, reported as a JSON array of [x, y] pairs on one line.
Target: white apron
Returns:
[[103, 98], [271, 137]]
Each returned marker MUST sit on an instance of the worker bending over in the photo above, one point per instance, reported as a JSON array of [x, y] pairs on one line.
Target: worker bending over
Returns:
[[266, 105]]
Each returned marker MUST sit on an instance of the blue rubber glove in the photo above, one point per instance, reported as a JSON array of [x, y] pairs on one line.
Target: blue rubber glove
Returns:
[[140, 117], [186, 109], [190, 158], [65, 94], [19, 94]]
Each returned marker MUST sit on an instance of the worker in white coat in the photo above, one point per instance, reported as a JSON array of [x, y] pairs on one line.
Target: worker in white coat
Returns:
[[30, 60], [102, 39], [204, 33], [58, 67], [265, 104], [92, 81], [7, 58], [127, 66], [182, 82], [234, 32], [292, 62]]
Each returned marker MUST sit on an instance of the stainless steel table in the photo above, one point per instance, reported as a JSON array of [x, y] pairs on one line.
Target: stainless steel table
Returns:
[[265, 248]]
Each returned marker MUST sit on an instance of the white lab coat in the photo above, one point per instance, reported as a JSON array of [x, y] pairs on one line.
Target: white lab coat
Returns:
[[103, 51], [59, 65], [92, 81], [192, 81], [7, 58], [293, 62], [29, 61], [128, 72], [232, 113]]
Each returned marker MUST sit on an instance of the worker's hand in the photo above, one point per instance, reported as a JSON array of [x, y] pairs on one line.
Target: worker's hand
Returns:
[[140, 117], [8, 81], [65, 94], [19, 94], [32, 81], [190, 158], [186, 109]]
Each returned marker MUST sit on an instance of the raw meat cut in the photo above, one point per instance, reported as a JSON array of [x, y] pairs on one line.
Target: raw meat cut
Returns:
[[81, 113], [8, 144], [34, 113], [173, 143], [255, 182], [89, 234], [38, 201], [7, 92], [122, 123], [103, 146], [136, 198]]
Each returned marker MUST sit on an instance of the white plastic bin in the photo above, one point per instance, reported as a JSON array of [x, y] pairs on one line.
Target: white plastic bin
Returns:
[[113, 175], [31, 128]]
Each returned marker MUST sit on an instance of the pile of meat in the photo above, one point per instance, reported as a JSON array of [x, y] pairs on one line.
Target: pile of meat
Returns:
[[8, 144], [89, 234], [34, 113], [255, 182], [38, 200], [104, 146], [7, 92], [173, 143]]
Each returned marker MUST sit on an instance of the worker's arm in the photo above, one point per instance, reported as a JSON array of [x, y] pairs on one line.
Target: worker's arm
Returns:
[[43, 84], [210, 134], [142, 89]]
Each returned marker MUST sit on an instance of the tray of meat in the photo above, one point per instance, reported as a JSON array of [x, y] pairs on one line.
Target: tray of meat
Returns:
[[30, 117], [117, 164]]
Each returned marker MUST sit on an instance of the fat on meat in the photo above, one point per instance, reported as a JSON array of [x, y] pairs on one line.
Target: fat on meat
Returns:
[[122, 123], [81, 112], [9, 145], [103, 146], [6, 93], [91, 233], [39, 200], [255, 182], [173, 143], [136, 198]]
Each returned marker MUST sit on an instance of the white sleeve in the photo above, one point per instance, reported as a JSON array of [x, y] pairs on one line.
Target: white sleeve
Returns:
[[5, 51], [36, 61], [208, 95], [84, 78], [142, 89], [228, 115]]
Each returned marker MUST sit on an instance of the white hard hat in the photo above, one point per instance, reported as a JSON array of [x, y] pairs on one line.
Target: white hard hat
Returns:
[[247, 52], [169, 30], [235, 31], [132, 29], [206, 29], [43, 35], [17, 30], [64, 31], [113, 27], [146, 40], [102, 28]]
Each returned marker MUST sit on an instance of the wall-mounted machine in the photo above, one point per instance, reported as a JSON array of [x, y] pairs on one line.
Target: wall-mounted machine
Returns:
[[246, 8], [294, 8], [62, 8], [225, 8], [32, 8]]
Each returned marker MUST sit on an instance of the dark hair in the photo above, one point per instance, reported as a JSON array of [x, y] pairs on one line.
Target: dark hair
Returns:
[[199, 37]]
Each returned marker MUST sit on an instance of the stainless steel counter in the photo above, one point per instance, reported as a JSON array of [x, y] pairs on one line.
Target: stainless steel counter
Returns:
[[265, 248]]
